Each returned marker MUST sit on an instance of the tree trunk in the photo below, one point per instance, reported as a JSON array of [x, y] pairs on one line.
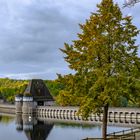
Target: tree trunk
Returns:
[[104, 127]]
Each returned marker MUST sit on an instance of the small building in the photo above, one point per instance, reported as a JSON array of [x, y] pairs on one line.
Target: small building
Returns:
[[40, 93], [35, 94]]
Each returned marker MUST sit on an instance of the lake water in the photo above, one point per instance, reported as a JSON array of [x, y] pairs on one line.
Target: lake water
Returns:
[[19, 128]]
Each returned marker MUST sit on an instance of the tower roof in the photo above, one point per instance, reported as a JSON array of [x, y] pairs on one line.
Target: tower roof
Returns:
[[38, 90], [40, 131]]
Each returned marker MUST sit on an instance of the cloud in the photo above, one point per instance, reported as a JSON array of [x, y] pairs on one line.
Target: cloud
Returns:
[[32, 31]]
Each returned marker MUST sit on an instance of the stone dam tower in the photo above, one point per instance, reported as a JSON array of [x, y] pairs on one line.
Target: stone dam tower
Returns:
[[35, 94]]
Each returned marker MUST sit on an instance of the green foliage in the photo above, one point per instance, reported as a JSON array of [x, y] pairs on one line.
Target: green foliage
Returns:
[[9, 88], [71, 95], [66, 99], [54, 86], [105, 61], [104, 57]]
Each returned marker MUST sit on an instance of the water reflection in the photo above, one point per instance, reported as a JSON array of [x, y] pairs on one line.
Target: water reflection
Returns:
[[6, 119], [33, 128]]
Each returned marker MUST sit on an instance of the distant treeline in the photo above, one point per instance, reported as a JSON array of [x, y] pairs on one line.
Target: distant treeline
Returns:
[[9, 88]]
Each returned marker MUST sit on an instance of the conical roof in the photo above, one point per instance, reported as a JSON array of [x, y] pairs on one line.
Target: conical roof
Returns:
[[40, 131], [38, 90]]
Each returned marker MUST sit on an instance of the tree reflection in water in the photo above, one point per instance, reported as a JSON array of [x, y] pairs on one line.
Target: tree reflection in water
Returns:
[[6, 119]]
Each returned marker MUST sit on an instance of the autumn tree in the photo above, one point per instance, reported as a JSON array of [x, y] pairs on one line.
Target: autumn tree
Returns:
[[105, 61], [71, 95], [9, 88]]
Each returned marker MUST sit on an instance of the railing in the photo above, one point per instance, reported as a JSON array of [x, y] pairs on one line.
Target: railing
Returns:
[[120, 135], [101, 139], [124, 132], [129, 133]]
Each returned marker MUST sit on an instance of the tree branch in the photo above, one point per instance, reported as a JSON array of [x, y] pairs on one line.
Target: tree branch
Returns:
[[130, 3]]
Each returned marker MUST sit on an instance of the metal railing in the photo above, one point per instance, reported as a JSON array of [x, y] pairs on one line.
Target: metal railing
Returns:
[[125, 134], [129, 134], [128, 131], [109, 139]]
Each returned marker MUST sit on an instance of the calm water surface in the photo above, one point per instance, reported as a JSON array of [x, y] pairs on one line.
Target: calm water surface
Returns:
[[19, 128]]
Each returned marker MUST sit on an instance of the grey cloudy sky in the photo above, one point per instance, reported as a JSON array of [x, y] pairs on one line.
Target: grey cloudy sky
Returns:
[[32, 31]]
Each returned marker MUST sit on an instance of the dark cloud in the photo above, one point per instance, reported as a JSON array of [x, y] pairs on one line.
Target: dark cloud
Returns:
[[32, 31]]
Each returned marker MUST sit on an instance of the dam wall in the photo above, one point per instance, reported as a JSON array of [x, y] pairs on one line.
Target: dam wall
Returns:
[[119, 116], [7, 108]]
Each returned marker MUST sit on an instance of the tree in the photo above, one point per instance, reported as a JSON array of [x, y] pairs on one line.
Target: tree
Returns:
[[9, 88], [129, 3], [105, 61], [54, 87], [71, 95]]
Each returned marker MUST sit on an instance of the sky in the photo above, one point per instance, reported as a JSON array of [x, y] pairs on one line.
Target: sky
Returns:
[[32, 31]]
